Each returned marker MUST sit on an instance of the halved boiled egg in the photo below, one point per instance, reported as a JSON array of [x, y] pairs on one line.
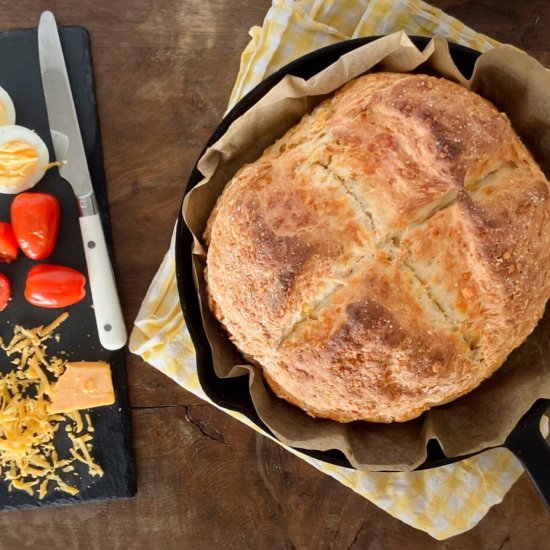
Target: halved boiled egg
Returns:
[[7, 110], [23, 159]]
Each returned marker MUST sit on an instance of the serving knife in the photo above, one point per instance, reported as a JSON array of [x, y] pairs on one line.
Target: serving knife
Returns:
[[63, 121]]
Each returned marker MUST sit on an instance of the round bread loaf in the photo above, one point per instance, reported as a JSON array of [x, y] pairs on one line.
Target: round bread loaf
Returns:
[[387, 253]]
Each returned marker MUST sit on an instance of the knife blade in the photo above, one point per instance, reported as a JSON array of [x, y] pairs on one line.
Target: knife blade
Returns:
[[63, 120]]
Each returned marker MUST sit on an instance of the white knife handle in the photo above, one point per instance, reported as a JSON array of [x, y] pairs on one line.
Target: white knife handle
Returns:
[[108, 313]]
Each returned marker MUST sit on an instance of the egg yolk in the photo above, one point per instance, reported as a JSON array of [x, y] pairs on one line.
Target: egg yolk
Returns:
[[18, 162]]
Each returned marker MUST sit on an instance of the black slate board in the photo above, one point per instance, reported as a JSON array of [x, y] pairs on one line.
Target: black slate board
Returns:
[[20, 76]]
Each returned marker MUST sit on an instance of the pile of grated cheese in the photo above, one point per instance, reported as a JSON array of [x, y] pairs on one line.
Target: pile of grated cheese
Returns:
[[29, 460]]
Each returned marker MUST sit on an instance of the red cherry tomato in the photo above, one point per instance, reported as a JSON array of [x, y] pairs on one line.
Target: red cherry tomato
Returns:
[[8, 244], [54, 286], [35, 221], [5, 291]]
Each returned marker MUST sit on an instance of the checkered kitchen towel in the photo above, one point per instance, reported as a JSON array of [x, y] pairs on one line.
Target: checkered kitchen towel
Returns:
[[445, 501]]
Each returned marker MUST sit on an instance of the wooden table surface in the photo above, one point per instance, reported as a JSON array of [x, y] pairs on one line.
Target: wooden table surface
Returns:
[[164, 71]]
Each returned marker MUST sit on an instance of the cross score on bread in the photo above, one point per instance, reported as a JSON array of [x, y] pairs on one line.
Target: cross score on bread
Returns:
[[387, 253]]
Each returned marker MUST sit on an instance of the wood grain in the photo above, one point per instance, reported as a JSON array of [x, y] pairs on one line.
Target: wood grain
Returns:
[[164, 70], [205, 482]]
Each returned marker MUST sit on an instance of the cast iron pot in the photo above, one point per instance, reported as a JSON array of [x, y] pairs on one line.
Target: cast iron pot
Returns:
[[525, 441]]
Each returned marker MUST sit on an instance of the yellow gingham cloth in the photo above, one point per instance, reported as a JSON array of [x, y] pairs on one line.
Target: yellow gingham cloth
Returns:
[[445, 501]]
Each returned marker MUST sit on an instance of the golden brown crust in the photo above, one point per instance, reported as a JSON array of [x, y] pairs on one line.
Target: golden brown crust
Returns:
[[385, 255]]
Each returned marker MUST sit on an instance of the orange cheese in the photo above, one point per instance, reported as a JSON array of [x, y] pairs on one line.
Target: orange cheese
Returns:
[[29, 460], [83, 385]]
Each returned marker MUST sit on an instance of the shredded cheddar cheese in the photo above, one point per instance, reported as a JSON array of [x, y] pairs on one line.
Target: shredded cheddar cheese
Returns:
[[29, 459]]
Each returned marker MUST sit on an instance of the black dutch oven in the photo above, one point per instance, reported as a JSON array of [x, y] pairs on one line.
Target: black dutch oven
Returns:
[[525, 441]]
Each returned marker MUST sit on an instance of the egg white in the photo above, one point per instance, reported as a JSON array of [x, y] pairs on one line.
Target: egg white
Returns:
[[10, 133], [7, 103]]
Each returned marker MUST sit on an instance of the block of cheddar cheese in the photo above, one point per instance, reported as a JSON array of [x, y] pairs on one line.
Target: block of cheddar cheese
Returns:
[[83, 385]]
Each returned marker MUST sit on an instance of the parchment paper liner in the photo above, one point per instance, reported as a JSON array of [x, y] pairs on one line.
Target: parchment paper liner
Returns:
[[519, 86]]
